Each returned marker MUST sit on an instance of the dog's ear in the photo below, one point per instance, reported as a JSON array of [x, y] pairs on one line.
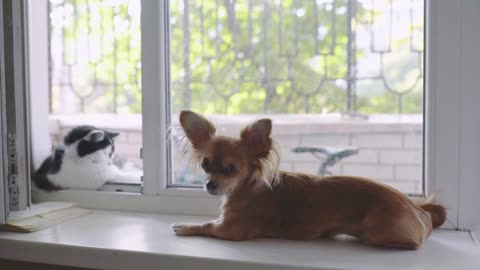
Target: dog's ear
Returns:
[[197, 128], [257, 137]]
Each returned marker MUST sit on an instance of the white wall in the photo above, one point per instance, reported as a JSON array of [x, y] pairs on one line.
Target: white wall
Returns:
[[38, 57]]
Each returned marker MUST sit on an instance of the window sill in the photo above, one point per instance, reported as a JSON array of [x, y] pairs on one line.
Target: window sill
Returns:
[[126, 240], [179, 201]]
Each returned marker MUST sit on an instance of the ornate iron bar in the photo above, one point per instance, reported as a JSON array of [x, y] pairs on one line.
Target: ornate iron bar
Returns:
[[244, 56], [95, 56]]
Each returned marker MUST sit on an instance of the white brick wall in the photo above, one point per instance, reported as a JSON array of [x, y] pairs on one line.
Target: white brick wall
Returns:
[[130, 150], [377, 140], [337, 139], [122, 137], [414, 141], [408, 172], [288, 140], [135, 137], [405, 186], [400, 157], [312, 167], [286, 166], [388, 153], [364, 156], [374, 171]]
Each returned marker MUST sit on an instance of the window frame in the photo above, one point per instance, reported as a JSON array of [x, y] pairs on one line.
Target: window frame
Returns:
[[155, 91], [449, 129], [3, 184], [445, 132], [38, 73], [15, 114], [468, 216]]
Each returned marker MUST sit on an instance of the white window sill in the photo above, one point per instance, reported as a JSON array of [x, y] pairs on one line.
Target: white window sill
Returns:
[[128, 240]]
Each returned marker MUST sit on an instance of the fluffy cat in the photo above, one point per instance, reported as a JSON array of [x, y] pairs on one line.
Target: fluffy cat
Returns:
[[84, 161]]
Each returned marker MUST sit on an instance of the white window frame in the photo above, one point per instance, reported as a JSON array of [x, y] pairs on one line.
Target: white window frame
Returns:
[[452, 152], [3, 183], [15, 112], [155, 91], [156, 197], [38, 77], [451, 160], [469, 185]]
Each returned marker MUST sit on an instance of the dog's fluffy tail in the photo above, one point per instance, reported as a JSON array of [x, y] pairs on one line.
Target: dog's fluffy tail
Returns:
[[437, 212]]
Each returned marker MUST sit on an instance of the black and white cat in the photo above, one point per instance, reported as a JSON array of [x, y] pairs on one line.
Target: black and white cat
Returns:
[[85, 161]]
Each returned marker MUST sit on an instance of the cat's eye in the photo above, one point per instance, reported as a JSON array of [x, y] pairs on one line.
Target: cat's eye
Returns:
[[204, 163], [230, 169]]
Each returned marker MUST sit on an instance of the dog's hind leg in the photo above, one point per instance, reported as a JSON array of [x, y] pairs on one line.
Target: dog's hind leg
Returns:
[[405, 231]]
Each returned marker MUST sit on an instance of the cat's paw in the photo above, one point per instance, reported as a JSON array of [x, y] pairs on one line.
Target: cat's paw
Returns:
[[183, 229]]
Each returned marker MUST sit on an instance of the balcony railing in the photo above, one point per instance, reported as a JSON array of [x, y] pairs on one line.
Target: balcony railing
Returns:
[[244, 56]]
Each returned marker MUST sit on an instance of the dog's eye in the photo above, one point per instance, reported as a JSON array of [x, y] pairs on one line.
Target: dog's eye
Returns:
[[230, 169], [204, 164]]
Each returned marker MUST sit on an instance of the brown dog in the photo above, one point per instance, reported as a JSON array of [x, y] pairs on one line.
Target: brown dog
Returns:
[[261, 201]]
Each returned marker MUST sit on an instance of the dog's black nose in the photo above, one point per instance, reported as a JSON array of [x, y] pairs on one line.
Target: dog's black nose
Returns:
[[212, 185]]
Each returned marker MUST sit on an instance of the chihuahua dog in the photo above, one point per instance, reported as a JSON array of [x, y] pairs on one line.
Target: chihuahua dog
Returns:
[[261, 201]]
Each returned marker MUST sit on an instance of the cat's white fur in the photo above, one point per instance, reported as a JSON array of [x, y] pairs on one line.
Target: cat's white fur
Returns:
[[90, 172]]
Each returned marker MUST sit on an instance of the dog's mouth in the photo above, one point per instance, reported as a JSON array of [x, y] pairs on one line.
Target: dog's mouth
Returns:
[[219, 192], [216, 192]]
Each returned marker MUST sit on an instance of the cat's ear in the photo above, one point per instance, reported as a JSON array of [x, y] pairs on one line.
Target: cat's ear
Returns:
[[95, 136], [112, 134]]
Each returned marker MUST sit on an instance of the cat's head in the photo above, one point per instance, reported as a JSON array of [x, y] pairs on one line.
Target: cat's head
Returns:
[[89, 139]]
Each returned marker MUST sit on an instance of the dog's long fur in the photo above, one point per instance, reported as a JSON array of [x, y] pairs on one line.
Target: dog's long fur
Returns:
[[261, 201]]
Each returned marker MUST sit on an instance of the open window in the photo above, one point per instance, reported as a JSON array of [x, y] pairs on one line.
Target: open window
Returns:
[[343, 81], [90, 54]]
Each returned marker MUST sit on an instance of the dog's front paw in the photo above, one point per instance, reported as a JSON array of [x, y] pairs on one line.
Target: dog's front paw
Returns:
[[183, 229]]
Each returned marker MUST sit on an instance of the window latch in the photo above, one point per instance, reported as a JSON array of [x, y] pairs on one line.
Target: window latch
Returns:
[[12, 173]]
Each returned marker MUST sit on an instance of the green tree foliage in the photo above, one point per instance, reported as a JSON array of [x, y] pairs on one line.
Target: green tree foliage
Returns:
[[239, 56]]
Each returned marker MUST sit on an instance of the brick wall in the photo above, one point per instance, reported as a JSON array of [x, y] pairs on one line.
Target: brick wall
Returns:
[[392, 158], [390, 146]]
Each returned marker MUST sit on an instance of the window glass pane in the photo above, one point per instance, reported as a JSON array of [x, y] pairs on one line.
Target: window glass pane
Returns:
[[95, 64], [343, 77]]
